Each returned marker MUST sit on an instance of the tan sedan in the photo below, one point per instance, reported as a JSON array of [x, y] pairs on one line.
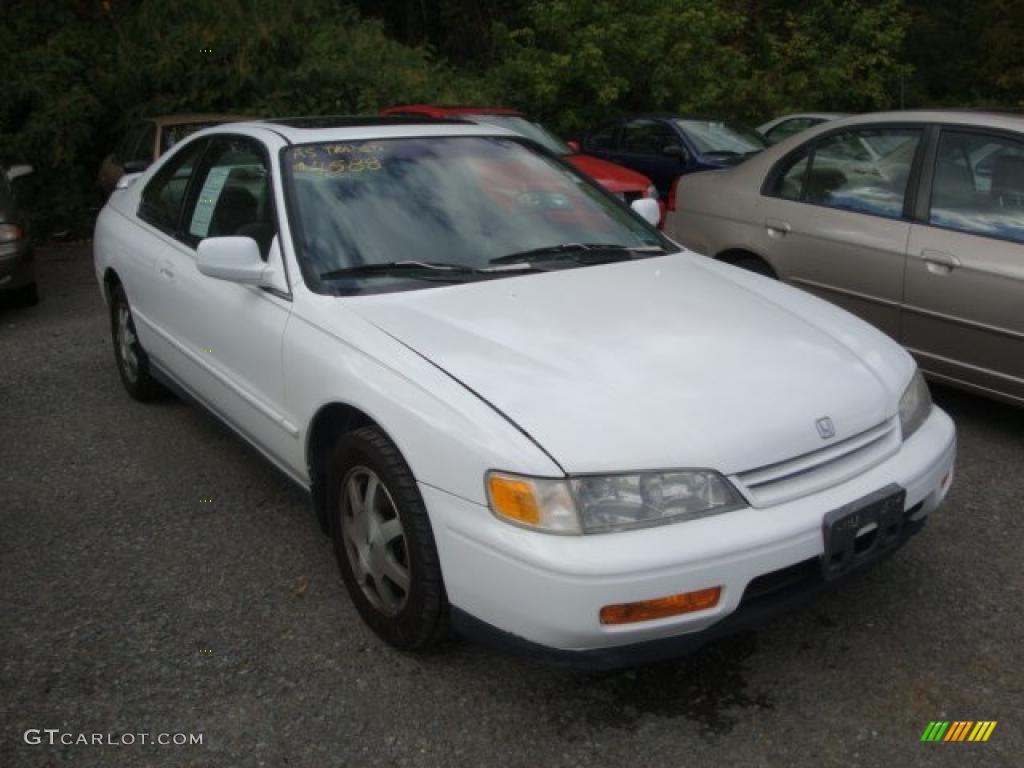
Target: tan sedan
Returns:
[[149, 138], [912, 220]]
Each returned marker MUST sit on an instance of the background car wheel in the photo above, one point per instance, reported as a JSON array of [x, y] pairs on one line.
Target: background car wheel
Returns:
[[384, 543], [27, 295], [132, 363]]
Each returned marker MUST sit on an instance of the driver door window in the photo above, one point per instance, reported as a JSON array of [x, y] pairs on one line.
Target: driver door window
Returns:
[[233, 196], [978, 185]]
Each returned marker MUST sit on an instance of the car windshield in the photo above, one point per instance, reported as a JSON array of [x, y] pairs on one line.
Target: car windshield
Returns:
[[713, 137], [456, 202], [524, 127]]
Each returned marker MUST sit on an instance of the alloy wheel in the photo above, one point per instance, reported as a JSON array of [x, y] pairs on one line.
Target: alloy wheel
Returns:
[[126, 342], [374, 540]]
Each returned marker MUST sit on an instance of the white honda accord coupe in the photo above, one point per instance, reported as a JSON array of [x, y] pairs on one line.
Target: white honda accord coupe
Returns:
[[520, 411]]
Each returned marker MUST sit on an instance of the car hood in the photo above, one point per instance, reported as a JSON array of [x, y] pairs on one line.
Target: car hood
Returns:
[[663, 362], [612, 177]]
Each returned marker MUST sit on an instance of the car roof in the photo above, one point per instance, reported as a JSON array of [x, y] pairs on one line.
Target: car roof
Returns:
[[307, 130], [187, 118], [438, 110], [990, 118], [675, 116], [822, 115]]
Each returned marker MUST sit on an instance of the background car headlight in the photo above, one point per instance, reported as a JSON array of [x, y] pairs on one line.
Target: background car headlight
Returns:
[[10, 232], [604, 503], [915, 405]]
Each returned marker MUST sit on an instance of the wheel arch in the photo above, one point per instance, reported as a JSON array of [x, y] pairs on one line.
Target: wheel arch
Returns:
[[331, 420], [110, 281], [737, 254]]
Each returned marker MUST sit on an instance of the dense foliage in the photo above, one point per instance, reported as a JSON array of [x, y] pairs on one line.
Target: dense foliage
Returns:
[[75, 73]]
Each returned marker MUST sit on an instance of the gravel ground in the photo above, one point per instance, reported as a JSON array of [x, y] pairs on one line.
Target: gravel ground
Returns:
[[158, 576]]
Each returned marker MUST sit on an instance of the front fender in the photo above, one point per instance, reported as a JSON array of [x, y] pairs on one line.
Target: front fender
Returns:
[[449, 436]]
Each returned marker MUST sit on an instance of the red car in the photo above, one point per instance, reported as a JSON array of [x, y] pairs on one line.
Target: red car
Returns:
[[627, 184]]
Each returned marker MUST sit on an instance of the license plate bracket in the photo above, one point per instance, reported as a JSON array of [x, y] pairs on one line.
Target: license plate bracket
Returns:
[[860, 532]]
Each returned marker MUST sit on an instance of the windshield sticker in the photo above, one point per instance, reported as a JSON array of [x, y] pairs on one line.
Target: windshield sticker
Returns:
[[332, 159], [208, 197]]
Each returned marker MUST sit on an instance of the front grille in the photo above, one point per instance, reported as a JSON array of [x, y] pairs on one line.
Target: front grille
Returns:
[[807, 573], [815, 471]]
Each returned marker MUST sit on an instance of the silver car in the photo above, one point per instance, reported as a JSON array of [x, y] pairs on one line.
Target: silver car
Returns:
[[912, 220]]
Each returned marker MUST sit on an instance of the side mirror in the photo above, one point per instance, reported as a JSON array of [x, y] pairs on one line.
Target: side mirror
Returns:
[[17, 171], [573, 145], [135, 166], [236, 259], [125, 180], [648, 209]]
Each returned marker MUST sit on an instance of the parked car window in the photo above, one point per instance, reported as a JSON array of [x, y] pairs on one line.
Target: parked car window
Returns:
[[647, 137], [863, 170], [787, 128], [714, 137], [233, 197], [145, 140], [164, 194], [126, 148], [529, 129], [789, 178], [603, 137], [172, 134], [978, 185]]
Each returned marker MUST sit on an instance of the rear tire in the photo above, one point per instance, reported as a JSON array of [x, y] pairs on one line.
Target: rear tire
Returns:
[[383, 542], [130, 357]]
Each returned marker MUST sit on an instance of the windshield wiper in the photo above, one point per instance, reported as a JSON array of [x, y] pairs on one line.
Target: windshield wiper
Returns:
[[426, 270], [617, 251]]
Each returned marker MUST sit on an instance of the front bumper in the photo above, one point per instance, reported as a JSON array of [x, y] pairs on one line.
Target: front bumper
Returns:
[[17, 266], [544, 592]]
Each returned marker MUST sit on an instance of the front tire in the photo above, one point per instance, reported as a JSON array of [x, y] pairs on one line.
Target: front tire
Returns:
[[383, 541], [130, 357]]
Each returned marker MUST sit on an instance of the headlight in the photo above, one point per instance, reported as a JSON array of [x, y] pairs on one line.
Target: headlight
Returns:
[[915, 405], [652, 192], [604, 503], [10, 232]]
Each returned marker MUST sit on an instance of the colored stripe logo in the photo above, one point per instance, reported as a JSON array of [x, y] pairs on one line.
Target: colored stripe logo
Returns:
[[958, 730]]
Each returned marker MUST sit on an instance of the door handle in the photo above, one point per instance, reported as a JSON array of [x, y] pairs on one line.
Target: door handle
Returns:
[[777, 227], [939, 262], [166, 271]]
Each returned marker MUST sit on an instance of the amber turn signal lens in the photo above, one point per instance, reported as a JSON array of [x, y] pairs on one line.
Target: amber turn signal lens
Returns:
[[659, 608], [514, 499]]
